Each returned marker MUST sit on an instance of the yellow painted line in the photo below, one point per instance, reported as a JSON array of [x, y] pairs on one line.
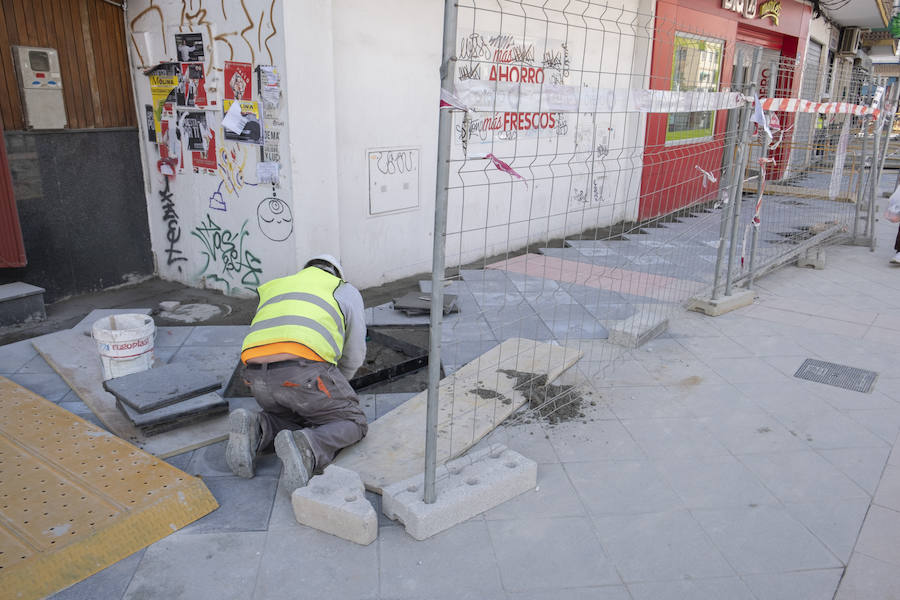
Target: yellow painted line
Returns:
[[75, 499]]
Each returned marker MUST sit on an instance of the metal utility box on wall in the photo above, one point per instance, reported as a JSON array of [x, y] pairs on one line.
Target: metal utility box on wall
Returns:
[[40, 85]]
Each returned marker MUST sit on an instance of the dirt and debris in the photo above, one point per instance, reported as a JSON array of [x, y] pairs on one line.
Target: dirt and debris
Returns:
[[546, 402]]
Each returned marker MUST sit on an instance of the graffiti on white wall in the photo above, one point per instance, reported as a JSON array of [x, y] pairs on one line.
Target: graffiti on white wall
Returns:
[[214, 180]]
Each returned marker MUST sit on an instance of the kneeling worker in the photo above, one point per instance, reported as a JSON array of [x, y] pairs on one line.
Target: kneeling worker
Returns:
[[306, 341]]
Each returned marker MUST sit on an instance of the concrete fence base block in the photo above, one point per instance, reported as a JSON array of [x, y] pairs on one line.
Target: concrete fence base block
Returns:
[[647, 322], [812, 257], [465, 487], [723, 304], [335, 502]]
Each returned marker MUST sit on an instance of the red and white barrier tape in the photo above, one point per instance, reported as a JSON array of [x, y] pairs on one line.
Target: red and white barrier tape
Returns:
[[825, 108]]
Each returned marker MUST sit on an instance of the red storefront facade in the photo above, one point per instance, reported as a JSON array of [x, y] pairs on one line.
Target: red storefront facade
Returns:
[[670, 179]]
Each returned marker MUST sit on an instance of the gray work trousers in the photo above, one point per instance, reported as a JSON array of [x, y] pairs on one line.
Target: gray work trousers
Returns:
[[310, 395]]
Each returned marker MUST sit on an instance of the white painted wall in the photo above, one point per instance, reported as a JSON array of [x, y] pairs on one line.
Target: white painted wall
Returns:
[[212, 234], [361, 78]]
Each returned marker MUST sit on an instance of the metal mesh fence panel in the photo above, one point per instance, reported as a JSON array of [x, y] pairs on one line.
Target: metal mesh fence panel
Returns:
[[588, 198]]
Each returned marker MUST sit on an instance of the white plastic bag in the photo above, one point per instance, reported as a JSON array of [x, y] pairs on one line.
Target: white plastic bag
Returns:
[[892, 212]]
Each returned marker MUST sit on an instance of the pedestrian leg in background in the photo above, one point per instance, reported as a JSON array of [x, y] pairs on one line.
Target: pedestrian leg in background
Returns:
[[896, 259]]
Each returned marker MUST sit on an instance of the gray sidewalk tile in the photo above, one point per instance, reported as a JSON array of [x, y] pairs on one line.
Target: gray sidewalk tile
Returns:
[[888, 494], [244, 505], [715, 347], [768, 345], [217, 566], [764, 539], [783, 397], [77, 407], [884, 423], [307, 563], [660, 547], [745, 370], [680, 370], [596, 440], [801, 477], [748, 433], [879, 535], [691, 325], [14, 356], [626, 372], [835, 522], [553, 496], [217, 335], [644, 403], [532, 328], [719, 588], [831, 429], [529, 440], [609, 592], [622, 487], [863, 465], [209, 461], [47, 385], [674, 438], [567, 321], [367, 404], [714, 482], [667, 347], [108, 583], [808, 585], [710, 399], [868, 578], [36, 365], [181, 461], [385, 403], [538, 554], [458, 561], [167, 337], [212, 358]]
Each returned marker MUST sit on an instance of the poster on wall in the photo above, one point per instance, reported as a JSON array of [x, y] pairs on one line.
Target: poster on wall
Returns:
[[195, 130], [269, 86], [191, 85], [251, 129], [170, 138], [148, 121], [238, 81], [163, 90], [206, 157], [189, 47]]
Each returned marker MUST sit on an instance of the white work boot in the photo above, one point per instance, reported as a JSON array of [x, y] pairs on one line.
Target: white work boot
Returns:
[[297, 458], [896, 259], [243, 442]]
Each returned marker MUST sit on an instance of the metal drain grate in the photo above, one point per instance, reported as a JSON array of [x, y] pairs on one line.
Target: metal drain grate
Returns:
[[851, 378]]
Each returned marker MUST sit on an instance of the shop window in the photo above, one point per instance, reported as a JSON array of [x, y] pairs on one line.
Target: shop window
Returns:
[[696, 67]]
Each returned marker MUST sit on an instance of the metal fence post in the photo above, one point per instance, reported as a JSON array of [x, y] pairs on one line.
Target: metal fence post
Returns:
[[734, 120], [445, 131], [764, 154], [880, 157], [740, 169]]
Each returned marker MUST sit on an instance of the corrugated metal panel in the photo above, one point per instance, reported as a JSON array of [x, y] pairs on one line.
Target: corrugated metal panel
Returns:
[[12, 249], [90, 38]]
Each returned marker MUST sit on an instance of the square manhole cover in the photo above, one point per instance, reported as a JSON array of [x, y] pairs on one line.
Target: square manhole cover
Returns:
[[851, 378]]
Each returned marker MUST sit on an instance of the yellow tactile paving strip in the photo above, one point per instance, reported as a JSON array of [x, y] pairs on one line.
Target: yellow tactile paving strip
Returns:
[[75, 499]]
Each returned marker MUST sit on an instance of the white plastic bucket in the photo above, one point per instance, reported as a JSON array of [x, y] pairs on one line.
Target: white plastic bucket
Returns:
[[125, 343]]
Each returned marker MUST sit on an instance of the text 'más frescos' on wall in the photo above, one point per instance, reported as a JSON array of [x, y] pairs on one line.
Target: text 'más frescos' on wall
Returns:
[[208, 81]]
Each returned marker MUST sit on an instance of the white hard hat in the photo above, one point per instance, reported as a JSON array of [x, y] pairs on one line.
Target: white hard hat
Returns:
[[330, 260]]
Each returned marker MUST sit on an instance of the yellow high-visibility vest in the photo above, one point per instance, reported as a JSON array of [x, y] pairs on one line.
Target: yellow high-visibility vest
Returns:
[[300, 308]]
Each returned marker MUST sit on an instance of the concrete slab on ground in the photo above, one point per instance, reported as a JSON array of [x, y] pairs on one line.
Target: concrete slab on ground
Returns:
[[335, 502], [465, 487], [161, 386]]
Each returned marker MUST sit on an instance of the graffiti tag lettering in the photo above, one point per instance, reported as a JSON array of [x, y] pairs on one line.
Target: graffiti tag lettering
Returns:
[[227, 259], [173, 229]]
